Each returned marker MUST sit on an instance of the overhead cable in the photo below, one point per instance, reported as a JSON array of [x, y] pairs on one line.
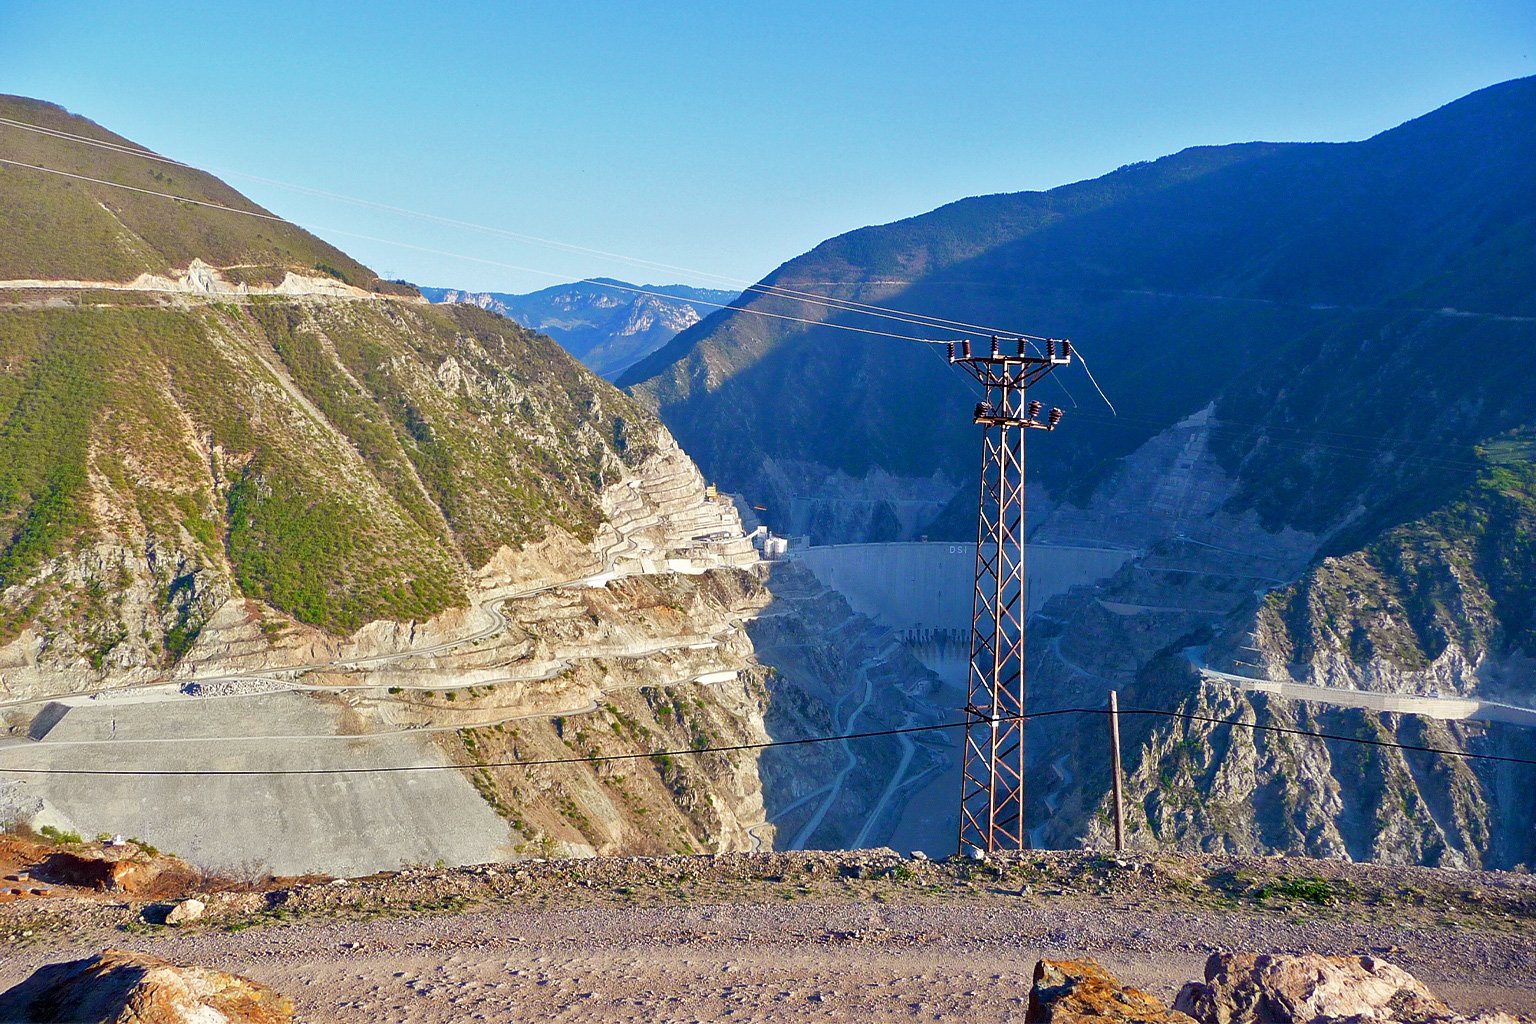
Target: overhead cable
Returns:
[[829, 302], [799, 295], [763, 745], [455, 255]]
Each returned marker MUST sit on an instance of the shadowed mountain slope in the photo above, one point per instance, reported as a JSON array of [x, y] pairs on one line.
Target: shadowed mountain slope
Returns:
[[1321, 355], [1216, 273]]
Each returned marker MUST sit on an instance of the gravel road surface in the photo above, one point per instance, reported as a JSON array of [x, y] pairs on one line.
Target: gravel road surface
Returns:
[[802, 937]]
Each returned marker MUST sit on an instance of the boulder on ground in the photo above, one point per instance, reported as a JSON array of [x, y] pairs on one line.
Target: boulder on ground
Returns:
[[1310, 988], [1073, 991], [118, 987], [185, 911]]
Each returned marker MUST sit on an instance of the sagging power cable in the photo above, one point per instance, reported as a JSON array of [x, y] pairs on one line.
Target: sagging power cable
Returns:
[[764, 745], [799, 295], [921, 320], [455, 255]]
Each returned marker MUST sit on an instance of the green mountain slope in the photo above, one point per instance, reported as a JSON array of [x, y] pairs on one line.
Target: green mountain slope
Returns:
[[339, 459], [316, 444], [1464, 576], [55, 227]]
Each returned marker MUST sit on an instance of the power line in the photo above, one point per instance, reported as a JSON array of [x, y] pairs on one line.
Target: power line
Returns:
[[455, 255], [145, 191], [1289, 730], [1095, 383], [1227, 426], [831, 303], [742, 747], [846, 305], [741, 283], [540, 763], [799, 295]]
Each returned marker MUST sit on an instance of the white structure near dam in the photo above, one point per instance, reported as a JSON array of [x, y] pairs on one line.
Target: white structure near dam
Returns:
[[926, 585]]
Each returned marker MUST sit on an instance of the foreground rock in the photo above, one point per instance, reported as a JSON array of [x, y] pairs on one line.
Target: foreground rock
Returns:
[[1309, 988], [185, 912], [132, 988], [1070, 991], [1249, 988]]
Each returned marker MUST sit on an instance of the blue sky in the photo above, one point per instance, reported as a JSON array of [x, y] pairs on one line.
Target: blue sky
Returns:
[[724, 138]]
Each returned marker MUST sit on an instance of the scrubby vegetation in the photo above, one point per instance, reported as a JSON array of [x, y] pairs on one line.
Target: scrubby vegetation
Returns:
[[376, 509], [340, 460], [60, 228], [60, 836], [1464, 575], [47, 403]]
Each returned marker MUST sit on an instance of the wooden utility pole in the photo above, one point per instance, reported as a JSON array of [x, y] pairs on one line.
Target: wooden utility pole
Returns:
[[1114, 769]]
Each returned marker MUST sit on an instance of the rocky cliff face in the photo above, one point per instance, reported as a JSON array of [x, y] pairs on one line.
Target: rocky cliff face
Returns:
[[266, 522], [259, 510], [1435, 608], [338, 461], [835, 672]]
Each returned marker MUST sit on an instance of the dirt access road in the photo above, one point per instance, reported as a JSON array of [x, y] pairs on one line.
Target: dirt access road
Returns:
[[802, 936]]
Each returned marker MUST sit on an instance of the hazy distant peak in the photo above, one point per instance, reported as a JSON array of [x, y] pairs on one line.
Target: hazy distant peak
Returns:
[[606, 323]]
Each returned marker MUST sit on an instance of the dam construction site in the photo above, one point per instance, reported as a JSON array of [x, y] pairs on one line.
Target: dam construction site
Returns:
[[1104, 603]]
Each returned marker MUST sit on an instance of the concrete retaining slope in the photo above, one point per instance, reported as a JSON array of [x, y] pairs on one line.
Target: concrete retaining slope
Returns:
[[350, 824], [927, 585]]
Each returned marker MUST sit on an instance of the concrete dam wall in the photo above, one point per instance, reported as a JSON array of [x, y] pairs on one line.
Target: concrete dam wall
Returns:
[[927, 585]]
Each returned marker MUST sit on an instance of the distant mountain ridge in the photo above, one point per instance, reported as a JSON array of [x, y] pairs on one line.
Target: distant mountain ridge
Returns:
[[1179, 277], [608, 324]]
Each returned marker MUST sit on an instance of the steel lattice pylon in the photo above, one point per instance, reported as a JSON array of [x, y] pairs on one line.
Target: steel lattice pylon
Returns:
[[992, 779]]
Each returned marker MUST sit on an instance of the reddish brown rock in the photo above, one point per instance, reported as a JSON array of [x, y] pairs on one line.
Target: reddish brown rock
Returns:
[[95, 871], [133, 988], [1072, 991], [128, 871], [89, 872]]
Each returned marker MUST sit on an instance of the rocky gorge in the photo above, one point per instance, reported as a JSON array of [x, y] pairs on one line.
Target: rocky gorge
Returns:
[[308, 559]]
